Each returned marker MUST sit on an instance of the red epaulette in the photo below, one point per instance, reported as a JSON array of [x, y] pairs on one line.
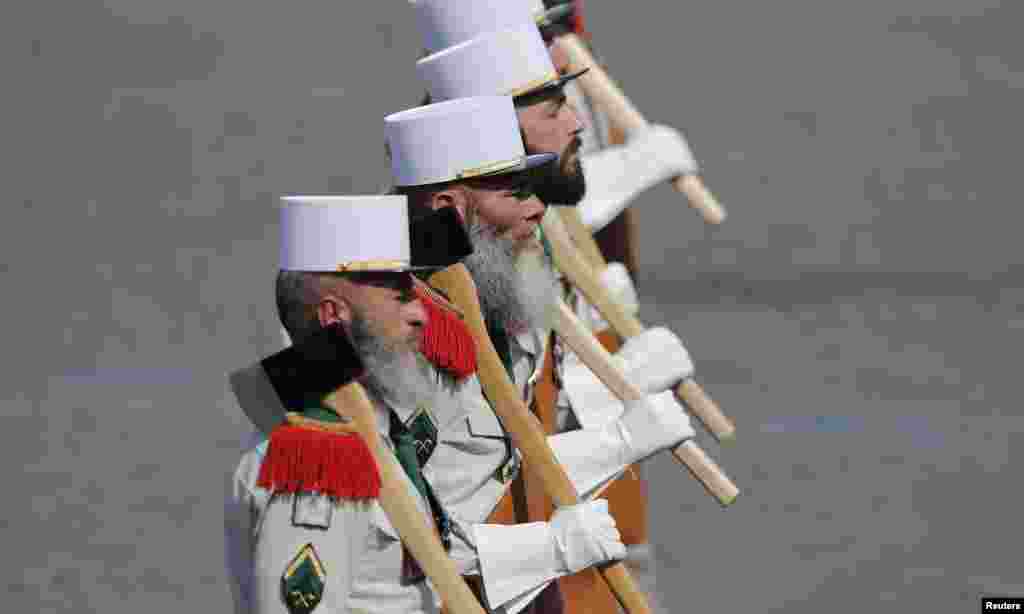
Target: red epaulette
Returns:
[[447, 342], [302, 459]]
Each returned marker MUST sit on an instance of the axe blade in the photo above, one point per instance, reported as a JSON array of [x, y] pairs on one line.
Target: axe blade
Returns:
[[295, 377]]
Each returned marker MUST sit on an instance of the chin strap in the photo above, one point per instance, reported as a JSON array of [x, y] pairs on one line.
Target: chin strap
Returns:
[[447, 342]]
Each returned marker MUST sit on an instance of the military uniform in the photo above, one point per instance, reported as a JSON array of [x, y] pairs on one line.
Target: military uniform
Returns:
[[470, 470], [471, 31], [628, 495], [303, 529], [460, 470], [358, 545]]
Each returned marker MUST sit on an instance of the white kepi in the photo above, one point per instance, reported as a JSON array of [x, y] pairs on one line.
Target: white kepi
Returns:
[[546, 16], [457, 139], [536, 9], [444, 23], [345, 234], [510, 62]]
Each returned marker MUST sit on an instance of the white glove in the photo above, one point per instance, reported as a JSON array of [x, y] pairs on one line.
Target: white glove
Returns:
[[655, 360], [593, 456], [652, 424], [517, 558], [617, 174], [616, 278], [585, 535]]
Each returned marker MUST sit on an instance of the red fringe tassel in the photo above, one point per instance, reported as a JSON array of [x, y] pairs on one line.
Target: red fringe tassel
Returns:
[[447, 342], [302, 459]]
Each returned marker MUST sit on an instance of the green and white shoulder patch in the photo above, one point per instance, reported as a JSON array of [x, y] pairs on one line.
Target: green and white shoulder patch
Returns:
[[303, 582]]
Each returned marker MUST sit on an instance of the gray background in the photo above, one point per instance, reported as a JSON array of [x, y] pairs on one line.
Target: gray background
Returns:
[[858, 314]]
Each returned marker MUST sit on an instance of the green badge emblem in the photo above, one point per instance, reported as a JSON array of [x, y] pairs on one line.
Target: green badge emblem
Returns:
[[508, 470], [302, 584]]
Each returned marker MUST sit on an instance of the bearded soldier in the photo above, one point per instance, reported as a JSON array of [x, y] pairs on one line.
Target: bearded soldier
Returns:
[[510, 60], [294, 544], [461, 461], [511, 271], [618, 170], [431, 156]]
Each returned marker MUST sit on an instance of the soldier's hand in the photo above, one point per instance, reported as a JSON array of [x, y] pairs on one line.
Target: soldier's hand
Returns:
[[617, 174], [616, 279], [667, 146], [585, 535], [655, 360], [652, 424]]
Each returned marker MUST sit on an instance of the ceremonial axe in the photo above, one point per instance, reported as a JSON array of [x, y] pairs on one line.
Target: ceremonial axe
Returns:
[[524, 428], [323, 368], [590, 351], [571, 263], [598, 85]]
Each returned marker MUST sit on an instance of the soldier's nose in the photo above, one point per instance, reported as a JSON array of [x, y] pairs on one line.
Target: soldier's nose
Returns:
[[417, 316], [534, 209]]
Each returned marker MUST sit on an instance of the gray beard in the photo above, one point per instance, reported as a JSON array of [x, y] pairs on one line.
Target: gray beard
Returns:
[[517, 290], [396, 372]]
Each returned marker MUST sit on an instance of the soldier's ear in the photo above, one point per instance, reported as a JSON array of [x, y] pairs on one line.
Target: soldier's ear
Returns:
[[453, 196], [333, 309]]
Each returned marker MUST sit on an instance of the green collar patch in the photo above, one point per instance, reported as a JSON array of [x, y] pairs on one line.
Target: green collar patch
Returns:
[[320, 412], [303, 582]]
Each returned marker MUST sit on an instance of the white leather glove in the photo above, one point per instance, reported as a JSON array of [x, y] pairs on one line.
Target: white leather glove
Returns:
[[655, 360], [615, 277], [593, 456], [517, 558], [652, 424], [585, 535], [617, 174]]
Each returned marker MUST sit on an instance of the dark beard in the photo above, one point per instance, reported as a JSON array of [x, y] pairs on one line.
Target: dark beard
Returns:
[[554, 184]]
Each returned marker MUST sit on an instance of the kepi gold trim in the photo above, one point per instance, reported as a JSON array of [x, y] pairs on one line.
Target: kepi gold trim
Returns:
[[485, 169], [532, 85], [372, 265]]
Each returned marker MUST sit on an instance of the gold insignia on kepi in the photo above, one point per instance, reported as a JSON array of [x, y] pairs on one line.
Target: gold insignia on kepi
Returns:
[[487, 169], [303, 582], [372, 265]]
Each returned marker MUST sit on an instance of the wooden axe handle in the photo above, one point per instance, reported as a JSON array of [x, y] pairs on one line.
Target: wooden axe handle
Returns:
[[598, 360], [709, 412], [700, 198], [400, 506], [707, 471], [569, 260], [599, 86], [523, 426], [571, 263], [583, 238]]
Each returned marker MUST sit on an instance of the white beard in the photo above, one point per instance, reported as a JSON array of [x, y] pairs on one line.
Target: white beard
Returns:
[[516, 282], [396, 371]]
